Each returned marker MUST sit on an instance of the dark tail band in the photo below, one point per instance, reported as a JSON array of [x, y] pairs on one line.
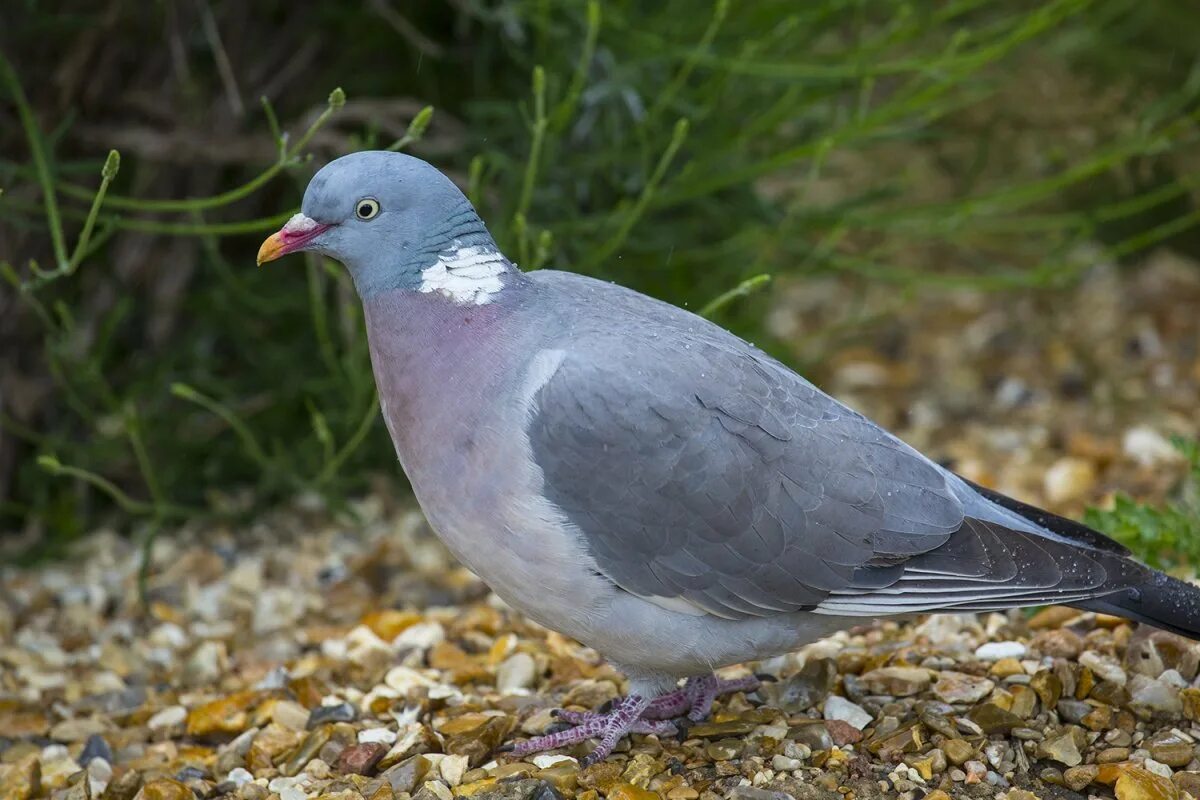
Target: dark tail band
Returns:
[[1162, 601]]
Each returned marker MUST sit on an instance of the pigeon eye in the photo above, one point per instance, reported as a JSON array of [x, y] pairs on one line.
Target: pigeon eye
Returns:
[[367, 208]]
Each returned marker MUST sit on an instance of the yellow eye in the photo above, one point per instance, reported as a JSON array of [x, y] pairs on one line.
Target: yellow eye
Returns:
[[367, 208]]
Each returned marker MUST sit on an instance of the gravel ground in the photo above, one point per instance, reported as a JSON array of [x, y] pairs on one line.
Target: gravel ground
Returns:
[[352, 662], [305, 657]]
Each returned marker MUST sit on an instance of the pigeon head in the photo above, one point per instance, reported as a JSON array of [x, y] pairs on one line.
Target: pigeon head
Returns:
[[395, 222]]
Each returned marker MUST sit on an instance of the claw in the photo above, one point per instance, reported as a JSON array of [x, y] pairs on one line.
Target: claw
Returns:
[[507, 747]]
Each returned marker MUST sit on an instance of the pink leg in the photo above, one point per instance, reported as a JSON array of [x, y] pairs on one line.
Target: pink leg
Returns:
[[634, 714], [625, 717], [703, 691], [696, 694]]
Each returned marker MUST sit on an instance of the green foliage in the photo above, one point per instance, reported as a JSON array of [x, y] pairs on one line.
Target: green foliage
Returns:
[[687, 150], [1166, 536]]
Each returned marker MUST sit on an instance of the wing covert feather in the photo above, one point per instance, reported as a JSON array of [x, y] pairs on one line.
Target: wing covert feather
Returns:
[[698, 468]]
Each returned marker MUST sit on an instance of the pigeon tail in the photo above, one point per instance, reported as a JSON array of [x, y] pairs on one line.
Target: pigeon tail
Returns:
[[1162, 601]]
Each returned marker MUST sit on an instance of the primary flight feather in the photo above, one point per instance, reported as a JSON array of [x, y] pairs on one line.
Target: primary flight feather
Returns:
[[633, 476]]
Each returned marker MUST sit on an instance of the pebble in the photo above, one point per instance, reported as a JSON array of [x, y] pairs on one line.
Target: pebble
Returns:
[[376, 736], [1154, 695], [169, 717], [1148, 447], [785, 764], [337, 712], [897, 681], [452, 769], [1077, 778], [1106, 667], [994, 651], [290, 714], [518, 671], [958, 687], [239, 776], [95, 747], [839, 708], [1069, 478], [360, 759], [99, 775]]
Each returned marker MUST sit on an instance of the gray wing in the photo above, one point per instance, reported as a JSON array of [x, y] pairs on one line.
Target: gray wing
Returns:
[[699, 470]]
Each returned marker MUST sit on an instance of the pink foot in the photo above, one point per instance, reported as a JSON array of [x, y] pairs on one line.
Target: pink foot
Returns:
[[625, 717], [635, 714]]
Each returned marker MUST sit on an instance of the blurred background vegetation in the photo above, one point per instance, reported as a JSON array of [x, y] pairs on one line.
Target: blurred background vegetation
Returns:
[[148, 373]]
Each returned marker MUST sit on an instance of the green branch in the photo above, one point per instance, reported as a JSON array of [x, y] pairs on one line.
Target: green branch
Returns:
[[287, 157]]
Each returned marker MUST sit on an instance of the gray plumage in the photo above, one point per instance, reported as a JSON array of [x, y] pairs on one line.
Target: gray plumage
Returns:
[[638, 478]]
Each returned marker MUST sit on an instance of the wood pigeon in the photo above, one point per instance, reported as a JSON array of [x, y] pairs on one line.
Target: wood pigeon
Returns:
[[634, 476]]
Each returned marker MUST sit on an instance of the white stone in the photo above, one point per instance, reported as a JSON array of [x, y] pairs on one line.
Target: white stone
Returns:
[[453, 768], [276, 608], [994, 651], [518, 671], [364, 647], [206, 663], [284, 782], [837, 707], [1148, 447], [169, 717], [544, 760], [401, 679], [239, 776], [99, 773], [1154, 695], [1105, 666], [1171, 677], [421, 636], [1069, 478], [1157, 768], [376, 736], [785, 764], [169, 635]]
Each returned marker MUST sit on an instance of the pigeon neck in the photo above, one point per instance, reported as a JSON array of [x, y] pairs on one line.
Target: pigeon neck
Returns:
[[458, 260]]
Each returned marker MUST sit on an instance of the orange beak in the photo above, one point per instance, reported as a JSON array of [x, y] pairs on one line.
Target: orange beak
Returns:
[[296, 235]]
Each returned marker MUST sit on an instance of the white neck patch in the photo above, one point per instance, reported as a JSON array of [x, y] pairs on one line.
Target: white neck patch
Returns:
[[467, 275]]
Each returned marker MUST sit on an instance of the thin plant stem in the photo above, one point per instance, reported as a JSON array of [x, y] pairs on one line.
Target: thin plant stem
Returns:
[[337, 99], [40, 163], [352, 444], [535, 157], [415, 131], [667, 95], [746, 287], [249, 442], [639, 207], [566, 109], [111, 166]]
